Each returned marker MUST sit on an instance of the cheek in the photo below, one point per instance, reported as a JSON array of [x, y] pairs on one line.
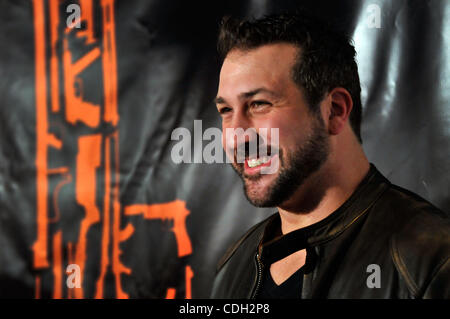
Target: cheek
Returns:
[[291, 132], [227, 143], [281, 127], [224, 136]]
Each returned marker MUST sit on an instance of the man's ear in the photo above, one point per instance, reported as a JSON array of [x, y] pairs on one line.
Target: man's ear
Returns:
[[341, 104]]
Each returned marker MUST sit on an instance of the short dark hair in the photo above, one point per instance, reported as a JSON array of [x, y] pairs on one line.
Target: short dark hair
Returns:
[[326, 61]]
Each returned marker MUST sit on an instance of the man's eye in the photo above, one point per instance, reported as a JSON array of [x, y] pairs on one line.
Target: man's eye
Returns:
[[259, 103], [224, 110]]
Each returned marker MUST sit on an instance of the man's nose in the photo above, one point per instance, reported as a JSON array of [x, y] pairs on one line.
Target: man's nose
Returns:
[[241, 120], [241, 133]]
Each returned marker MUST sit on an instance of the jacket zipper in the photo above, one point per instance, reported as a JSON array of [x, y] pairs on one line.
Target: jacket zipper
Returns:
[[259, 276]]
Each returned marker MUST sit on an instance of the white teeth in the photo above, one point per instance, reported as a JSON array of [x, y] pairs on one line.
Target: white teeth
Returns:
[[256, 162]]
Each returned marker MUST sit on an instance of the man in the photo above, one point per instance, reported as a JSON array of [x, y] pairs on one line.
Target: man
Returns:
[[342, 230]]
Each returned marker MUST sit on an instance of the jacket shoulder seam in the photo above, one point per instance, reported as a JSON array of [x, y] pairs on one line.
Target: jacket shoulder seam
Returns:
[[401, 268], [360, 214]]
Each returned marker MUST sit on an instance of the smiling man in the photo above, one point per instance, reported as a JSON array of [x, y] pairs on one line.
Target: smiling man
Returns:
[[342, 230]]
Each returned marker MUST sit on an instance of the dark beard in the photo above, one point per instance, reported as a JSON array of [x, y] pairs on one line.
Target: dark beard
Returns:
[[294, 169]]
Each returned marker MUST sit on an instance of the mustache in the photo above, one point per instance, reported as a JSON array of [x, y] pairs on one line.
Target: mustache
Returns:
[[253, 150]]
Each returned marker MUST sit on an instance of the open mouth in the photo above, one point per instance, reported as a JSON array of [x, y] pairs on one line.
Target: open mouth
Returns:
[[254, 166], [252, 163], [255, 162]]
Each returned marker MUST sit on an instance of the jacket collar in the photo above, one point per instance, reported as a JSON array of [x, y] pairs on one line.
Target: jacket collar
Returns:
[[274, 246]]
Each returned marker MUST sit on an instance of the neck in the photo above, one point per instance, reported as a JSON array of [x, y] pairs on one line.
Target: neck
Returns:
[[325, 190]]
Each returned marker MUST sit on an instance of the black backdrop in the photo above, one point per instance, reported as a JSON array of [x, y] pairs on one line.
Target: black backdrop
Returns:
[[86, 116]]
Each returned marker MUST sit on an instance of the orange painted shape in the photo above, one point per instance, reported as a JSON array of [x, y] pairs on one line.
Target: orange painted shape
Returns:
[[104, 261], [37, 287], [40, 246], [67, 178], [78, 109], [118, 234], [57, 265], [174, 211], [171, 293], [54, 73], [70, 260], [53, 141], [189, 274], [58, 170], [87, 162], [109, 63]]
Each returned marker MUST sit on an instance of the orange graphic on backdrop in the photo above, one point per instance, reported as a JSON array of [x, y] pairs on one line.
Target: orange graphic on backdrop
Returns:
[[96, 152], [175, 212]]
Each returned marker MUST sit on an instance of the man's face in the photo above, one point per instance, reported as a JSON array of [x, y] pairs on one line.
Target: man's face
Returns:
[[256, 91]]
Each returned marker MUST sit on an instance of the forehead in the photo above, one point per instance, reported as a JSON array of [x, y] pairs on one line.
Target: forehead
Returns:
[[266, 66]]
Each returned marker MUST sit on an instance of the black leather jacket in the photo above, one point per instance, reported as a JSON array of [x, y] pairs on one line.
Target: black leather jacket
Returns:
[[381, 224]]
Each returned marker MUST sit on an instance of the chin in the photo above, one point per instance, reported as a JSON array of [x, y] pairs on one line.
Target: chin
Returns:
[[258, 195], [261, 201]]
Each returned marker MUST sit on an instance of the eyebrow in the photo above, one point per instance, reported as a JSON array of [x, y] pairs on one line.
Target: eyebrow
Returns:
[[219, 100], [245, 95]]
